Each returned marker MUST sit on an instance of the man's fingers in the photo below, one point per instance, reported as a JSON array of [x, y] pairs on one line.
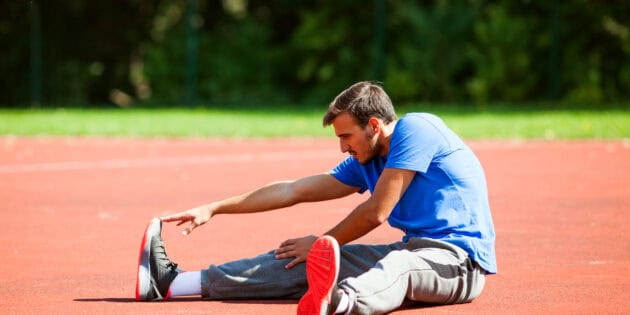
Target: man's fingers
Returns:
[[172, 217], [193, 225], [288, 253], [182, 222], [188, 230], [284, 248], [179, 218], [296, 248], [285, 251], [294, 262], [287, 242], [195, 217]]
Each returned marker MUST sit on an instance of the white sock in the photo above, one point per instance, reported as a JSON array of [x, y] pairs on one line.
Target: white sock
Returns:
[[186, 283], [344, 303]]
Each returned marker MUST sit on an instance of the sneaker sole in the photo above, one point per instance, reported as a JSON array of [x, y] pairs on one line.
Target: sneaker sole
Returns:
[[322, 270], [143, 280]]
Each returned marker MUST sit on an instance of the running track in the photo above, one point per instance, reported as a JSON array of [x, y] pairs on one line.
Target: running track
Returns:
[[72, 211]]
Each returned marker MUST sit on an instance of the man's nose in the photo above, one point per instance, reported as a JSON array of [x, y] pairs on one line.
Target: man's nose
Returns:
[[343, 147]]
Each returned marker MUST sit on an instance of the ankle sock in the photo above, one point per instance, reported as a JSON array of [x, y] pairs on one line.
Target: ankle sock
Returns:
[[186, 283]]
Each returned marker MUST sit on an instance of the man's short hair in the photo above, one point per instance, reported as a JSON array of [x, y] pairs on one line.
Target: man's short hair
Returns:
[[363, 100]]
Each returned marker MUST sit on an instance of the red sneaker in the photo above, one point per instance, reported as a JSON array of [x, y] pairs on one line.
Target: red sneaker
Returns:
[[322, 270]]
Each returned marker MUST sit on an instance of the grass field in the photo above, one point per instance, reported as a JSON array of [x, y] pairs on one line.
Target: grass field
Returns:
[[489, 124]]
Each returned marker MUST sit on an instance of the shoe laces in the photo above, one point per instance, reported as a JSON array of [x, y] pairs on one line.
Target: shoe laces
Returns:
[[161, 257]]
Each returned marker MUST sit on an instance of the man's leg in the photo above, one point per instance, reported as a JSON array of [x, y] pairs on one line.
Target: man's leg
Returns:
[[422, 270], [325, 263], [264, 276], [260, 277]]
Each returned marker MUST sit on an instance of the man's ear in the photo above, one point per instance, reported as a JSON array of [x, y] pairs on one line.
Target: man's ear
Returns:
[[374, 125]]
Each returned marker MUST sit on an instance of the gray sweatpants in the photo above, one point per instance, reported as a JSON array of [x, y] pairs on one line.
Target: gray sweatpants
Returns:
[[378, 277]]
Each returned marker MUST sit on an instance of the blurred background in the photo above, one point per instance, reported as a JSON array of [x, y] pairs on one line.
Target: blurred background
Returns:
[[179, 53]]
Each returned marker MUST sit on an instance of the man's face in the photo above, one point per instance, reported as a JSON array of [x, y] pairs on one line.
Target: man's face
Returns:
[[360, 143]]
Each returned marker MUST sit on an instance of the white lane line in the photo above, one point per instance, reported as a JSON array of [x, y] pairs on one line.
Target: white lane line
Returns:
[[168, 161]]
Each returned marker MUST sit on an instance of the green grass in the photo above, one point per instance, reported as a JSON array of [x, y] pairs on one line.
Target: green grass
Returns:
[[543, 125], [487, 124]]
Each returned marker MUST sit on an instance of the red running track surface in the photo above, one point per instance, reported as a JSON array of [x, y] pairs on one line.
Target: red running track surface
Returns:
[[72, 212]]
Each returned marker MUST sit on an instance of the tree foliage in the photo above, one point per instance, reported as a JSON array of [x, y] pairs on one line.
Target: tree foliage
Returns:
[[136, 53]]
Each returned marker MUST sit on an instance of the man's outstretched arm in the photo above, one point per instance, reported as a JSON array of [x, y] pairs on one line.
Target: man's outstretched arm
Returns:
[[269, 197]]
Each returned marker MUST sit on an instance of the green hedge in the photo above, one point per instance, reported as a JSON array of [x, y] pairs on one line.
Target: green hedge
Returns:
[[136, 53]]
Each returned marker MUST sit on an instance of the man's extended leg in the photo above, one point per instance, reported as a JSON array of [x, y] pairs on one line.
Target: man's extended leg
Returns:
[[421, 270], [259, 277]]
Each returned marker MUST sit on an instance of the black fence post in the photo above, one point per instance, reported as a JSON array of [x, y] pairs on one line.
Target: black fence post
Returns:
[[36, 55], [379, 40], [554, 55], [191, 52]]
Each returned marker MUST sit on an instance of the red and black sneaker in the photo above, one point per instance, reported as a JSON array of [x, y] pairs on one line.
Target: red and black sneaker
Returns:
[[322, 270], [155, 270]]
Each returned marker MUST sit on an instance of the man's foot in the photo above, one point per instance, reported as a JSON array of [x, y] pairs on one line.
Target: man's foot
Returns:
[[322, 269], [155, 270]]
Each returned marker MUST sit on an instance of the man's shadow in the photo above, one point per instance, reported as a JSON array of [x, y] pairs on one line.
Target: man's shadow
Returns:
[[184, 299], [405, 306], [132, 300]]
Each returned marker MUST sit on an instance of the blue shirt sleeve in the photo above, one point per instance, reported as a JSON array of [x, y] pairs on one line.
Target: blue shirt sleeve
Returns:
[[350, 173], [415, 144]]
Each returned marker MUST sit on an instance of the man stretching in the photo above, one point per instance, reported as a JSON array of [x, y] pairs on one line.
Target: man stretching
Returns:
[[422, 179]]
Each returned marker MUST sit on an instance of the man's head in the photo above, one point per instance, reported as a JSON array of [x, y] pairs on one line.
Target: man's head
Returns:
[[362, 100], [362, 117]]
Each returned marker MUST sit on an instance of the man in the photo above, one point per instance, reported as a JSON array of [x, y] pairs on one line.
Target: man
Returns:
[[423, 180]]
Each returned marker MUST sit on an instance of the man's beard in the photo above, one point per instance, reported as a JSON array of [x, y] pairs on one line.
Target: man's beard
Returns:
[[374, 151]]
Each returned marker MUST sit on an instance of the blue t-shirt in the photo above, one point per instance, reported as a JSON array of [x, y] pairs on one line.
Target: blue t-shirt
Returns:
[[447, 200]]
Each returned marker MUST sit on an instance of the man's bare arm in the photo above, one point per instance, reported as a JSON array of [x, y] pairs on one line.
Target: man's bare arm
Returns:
[[272, 196], [373, 212]]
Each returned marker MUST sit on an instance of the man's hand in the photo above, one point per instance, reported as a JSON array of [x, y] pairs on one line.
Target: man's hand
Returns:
[[297, 247], [196, 217]]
